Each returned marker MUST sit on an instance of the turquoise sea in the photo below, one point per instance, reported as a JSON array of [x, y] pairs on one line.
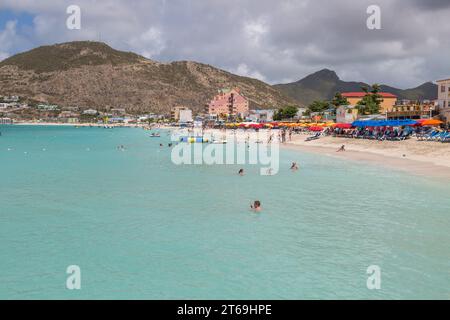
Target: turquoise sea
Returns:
[[140, 227]]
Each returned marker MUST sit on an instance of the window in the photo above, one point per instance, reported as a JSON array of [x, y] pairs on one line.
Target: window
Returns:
[[442, 88]]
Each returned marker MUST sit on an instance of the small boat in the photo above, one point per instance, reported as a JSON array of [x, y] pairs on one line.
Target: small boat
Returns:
[[219, 142], [155, 135]]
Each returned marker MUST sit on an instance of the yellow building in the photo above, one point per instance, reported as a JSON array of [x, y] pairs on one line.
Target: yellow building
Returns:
[[389, 100], [175, 112]]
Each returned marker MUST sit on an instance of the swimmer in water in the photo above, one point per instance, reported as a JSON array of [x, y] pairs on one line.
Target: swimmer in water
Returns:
[[294, 166], [241, 172], [256, 206]]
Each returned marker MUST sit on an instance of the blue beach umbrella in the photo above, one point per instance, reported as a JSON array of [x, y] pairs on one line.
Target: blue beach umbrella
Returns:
[[383, 123]]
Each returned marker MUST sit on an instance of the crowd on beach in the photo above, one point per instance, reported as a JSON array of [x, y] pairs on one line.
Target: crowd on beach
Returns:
[[392, 133]]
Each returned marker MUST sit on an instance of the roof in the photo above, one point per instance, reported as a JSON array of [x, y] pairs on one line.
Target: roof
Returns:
[[443, 80], [362, 94]]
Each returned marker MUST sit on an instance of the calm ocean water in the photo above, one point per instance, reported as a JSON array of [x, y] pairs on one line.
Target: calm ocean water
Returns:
[[140, 227]]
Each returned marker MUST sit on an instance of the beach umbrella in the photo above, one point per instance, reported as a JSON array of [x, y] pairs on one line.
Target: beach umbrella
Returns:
[[256, 125], [343, 125], [430, 122], [383, 123], [315, 128]]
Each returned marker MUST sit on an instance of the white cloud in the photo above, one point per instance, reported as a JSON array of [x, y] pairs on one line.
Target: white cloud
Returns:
[[255, 30], [273, 41], [243, 70], [149, 43]]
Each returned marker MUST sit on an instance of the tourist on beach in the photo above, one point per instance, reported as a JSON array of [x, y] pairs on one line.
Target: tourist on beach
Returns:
[[256, 206], [342, 148], [294, 166], [283, 136], [241, 172]]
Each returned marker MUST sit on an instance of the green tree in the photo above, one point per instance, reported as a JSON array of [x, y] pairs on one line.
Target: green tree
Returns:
[[339, 100], [371, 102], [319, 106], [287, 112]]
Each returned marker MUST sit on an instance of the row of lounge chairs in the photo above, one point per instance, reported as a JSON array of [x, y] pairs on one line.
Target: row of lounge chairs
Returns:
[[392, 135], [434, 135]]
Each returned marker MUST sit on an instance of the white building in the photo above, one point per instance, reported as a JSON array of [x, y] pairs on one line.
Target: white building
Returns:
[[301, 111], [444, 98], [91, 112], [185, 115], [261, 115], [346, 114], [5, 121]]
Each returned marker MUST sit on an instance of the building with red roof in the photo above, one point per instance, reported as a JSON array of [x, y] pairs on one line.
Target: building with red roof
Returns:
[[389, 99]]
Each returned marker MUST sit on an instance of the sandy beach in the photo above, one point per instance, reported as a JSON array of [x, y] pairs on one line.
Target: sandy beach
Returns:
[[418, 157], [424, 158]]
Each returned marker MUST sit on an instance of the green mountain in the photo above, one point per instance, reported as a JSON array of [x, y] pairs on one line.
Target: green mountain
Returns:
[[93, 75], [323, 85]]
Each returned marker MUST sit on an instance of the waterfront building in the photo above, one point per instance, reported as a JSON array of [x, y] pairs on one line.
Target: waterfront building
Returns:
[[90, 112], [412, 111], [261, 115], [185, 115], [228, 102], [389, 99], [346, 114], [6, 121], [180, 111], [443, 100]]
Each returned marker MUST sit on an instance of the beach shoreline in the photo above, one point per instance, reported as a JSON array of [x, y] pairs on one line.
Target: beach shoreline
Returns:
[[423, 158]]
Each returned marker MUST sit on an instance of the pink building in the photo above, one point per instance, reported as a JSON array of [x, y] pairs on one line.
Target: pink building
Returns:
[[228, 102]]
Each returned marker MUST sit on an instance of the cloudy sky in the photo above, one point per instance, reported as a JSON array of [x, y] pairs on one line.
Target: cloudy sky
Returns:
[[273, 40]]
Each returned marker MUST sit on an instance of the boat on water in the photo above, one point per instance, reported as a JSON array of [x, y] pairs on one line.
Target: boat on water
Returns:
[[155, 135]]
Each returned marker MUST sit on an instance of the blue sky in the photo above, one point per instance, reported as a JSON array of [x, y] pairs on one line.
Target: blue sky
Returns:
[[274, 41], [23, 18]]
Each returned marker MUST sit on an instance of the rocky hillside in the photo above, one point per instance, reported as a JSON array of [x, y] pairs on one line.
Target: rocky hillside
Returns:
[[323, 84], [92, 74]]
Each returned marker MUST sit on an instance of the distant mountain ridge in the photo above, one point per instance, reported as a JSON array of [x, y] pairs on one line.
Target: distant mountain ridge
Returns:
[[92, 74], [323, 85]]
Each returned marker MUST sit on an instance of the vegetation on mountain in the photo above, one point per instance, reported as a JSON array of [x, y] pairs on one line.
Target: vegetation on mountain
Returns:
[[93, 75], [323, 85]]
